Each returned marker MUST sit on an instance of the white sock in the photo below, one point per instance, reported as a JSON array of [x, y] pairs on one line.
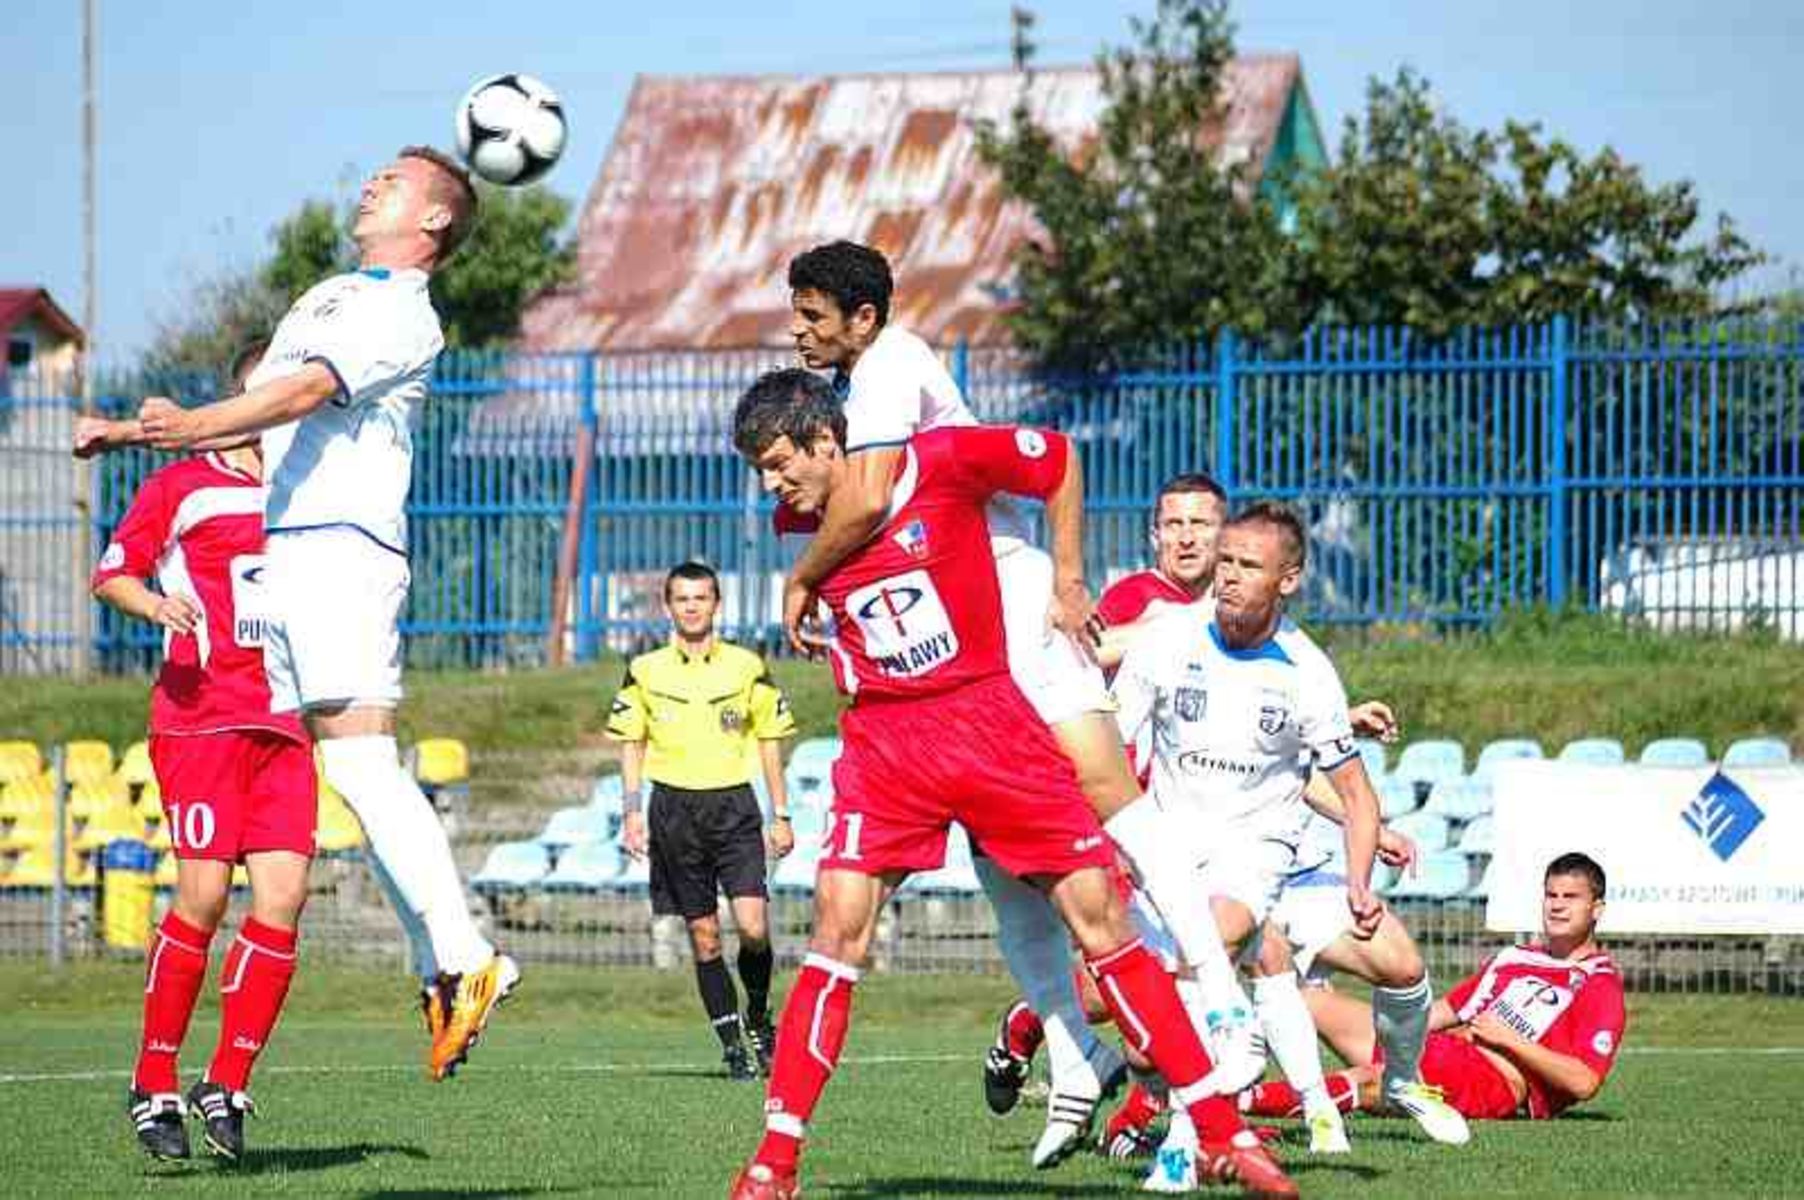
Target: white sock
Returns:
[[404, 834], [1037, 948], [419, 942], [1400, 1019], [1290, 1036]]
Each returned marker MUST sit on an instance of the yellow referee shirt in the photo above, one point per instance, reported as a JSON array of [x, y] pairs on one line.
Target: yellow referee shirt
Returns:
[[700, 717]]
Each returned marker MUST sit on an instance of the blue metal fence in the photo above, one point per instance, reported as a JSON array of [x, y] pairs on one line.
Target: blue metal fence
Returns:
[[1655, 470]]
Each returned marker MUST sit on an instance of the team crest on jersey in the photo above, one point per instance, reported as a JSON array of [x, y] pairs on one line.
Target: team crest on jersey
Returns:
[[1272, 718], [114, 558], [912, 537], [1031, 443], [731, 720], [1190, 703]]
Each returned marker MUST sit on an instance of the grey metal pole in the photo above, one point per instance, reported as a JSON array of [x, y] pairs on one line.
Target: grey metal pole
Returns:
[[60, 843], [82, 610]]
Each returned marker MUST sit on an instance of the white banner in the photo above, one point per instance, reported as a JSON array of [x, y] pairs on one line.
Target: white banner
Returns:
[[1685, 851]]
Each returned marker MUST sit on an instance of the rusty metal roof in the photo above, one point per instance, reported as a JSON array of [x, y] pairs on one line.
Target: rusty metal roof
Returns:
[[713, 184]]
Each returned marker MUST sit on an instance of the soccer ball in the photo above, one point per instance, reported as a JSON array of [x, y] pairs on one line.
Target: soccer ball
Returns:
[[510, 129]]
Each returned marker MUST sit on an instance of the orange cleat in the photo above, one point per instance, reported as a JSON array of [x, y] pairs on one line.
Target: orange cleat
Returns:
[[467, 1001], [1246, 1161], [759, 1181]]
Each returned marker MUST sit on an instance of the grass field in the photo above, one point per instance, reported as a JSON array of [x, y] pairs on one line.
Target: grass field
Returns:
[[602, 1083]]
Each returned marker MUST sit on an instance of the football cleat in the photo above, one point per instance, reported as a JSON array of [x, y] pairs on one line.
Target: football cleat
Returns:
[[763, 1038], [1328, 1133], [1246, 1161], [469, 999], [432, 1010], [1428, 1107], [760, 1181], [222, 1110], [1004, 1071], [157, 1117], [740, 1065], [1124, 1137], [1068, 1119], [1174, 1171]]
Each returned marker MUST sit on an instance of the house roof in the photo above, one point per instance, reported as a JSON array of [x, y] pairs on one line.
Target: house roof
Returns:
[[713, 184], [17, 303]]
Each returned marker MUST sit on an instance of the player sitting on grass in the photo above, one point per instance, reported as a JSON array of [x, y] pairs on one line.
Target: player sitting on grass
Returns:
[[919, 645], [1534, 1031]]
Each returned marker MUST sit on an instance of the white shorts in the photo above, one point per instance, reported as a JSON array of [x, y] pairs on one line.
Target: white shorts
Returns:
[[1312, 913], [1244, 867], [1058, 680], [334, 600]]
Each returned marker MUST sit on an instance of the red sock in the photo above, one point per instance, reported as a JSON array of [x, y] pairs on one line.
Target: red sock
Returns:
[[1144, 1002], [1141, 1106], [810, 1036], [252, 986], [1023, 1031], [1276, 1098], [172, 979]]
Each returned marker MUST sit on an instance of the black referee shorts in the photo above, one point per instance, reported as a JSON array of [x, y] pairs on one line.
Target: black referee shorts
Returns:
[[702, 843]]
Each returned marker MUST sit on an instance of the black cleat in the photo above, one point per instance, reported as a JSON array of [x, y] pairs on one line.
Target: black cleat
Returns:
[[1004, 1071], [223, 1111], [763, 1037], [158, 1119], [739, 1062]]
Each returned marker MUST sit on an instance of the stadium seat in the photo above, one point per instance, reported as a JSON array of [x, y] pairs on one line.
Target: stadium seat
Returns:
[[1478, 837], [336, 828], [35, 867], [87, 762], [1460, 799], [134, 766], [441, 762], [1440, 875], [109, 825], [575, 826], [586, 867], [512, 867], [955, 877], [607, 793], [1482, 889], [150, 803], [795, 872], [1427, 764], [1593, 752], [156, 836], [22, 797], [29, 829], [168, 870], [90, 800], [1757, 752], [634, 878], [1428, 830], [810, 770], [1396, 797], [1371, 752], [19, 761], [1674, 752], [1505, 750]]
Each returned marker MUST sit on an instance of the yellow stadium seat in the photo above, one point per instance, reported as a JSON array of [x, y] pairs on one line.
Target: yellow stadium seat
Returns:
[[241, 878], [30, 830], [337, 828], [87, 761], [440, 762], [23, 797], [89, 800], [156, 835], [19, 760], [36, 868], [134, 766], [150, 803], [107, 826], [167, 870]]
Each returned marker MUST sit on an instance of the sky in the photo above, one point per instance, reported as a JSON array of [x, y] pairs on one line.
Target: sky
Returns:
[[217, 118]]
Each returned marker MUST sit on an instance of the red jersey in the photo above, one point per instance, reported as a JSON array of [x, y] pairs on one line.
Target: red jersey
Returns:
[[196, 527], [917, 610], [1123, 601], [1571, 1006]]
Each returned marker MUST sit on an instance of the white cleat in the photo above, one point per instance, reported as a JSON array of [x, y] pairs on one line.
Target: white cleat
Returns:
[[1068, 1119], [1237, 1052], [1428, 1107], [1328, 1133], [1174, 1171]]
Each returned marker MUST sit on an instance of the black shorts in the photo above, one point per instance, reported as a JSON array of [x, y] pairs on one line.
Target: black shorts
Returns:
[[703, 843]]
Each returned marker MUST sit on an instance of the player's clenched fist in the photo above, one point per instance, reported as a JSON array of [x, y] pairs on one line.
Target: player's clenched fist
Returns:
[[177, 613], [166, 424]]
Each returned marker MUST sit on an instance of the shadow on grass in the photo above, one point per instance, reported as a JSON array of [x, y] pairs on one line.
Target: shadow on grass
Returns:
[[923, 1185], [317, 1158], [472, 1193]]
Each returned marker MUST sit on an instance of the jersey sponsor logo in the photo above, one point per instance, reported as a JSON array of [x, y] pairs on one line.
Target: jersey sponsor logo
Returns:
[[250, 623], [1031, 443], [113, 558], [912, 538], [907, 631], [1190, 703], [1201, 762], [1085, 844], [1530, 1005]]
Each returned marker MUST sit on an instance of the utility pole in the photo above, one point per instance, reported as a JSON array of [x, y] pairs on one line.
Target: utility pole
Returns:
[[82, 544]]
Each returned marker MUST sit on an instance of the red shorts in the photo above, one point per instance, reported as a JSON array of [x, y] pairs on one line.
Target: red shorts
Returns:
[[978, 755], [1473, 1084], [238, 792]]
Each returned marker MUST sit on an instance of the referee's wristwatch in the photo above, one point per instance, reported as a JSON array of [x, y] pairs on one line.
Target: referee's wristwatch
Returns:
[[782, 816]]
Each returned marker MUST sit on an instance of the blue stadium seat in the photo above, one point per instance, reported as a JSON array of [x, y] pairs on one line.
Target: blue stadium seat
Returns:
[[1441, 875], [955, 877], [1757, 752], [512, 867], [1429, 763], [586, 867], [1674, 752], [634, 878], [1593, 752], [810, 770], [795, 872], [607, 793], [1429, 831], [1479, 836], [1396, 797], [1482, 889], [575, 826], [1460, 799], [1371, 752], [1505, 750]]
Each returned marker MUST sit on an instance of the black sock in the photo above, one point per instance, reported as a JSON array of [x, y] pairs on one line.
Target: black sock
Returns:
[[755, 962], [718, 997]]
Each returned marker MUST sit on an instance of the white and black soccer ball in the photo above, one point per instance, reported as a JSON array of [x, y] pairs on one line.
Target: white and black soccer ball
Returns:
[[510, 129]]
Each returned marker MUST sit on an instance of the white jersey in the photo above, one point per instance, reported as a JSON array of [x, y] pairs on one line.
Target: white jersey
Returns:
[[349, 462], [1233, 731], [898, 388]]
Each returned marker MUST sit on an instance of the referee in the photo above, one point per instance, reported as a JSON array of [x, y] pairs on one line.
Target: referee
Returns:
[[697, 717]]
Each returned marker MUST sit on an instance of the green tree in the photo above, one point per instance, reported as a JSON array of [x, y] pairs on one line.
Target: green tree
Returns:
[[1148, 240], [514, 251]]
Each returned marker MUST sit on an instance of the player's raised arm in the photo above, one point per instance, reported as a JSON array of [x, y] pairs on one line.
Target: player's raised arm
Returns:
[[853, 514]]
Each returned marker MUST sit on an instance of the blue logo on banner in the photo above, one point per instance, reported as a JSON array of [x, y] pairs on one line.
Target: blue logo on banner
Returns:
[[1723, 815]]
